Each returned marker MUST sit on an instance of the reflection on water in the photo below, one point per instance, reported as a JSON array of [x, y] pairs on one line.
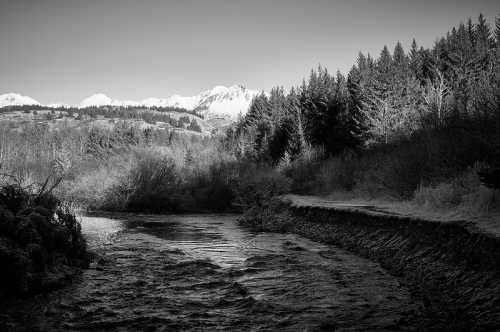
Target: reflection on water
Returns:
[[101, 231], [199, 273]]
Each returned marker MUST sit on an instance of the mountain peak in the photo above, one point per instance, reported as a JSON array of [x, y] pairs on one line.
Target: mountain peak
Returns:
[[223, 102], [97, 99], [11, 99]]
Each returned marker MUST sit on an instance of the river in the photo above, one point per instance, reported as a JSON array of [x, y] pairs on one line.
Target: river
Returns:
[[206, 273]]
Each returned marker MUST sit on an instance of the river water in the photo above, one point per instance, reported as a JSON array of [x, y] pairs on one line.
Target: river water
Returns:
[[206, 273]]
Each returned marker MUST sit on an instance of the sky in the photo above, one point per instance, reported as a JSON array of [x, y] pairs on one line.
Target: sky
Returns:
[[66, 50]]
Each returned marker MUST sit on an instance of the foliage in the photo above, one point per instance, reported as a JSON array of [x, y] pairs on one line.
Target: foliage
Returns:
[[172, 180], [38, 235]]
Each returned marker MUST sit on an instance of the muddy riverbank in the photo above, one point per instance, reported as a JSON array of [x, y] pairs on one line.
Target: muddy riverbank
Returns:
[[199, 273], [453, 269]]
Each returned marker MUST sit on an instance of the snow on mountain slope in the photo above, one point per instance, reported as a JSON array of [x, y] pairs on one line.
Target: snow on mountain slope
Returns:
[[219, 102], [100, 99], [174, 101], [222, 102], [11, 99]]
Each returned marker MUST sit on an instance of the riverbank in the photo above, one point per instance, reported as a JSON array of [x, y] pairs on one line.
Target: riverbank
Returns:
[[41, 245], [452, 267]]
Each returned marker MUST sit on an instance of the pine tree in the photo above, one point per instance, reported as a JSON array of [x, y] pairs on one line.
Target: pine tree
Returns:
[[415, 62], [297, 136], [194, 126], [483, 34], [277, 103], [370, 62], [497, 30], [464, 43], [258, 110], [362, 65], [354, 87], [385, 61], [453, 40], [471, 32], [413, 49], [400, 59]]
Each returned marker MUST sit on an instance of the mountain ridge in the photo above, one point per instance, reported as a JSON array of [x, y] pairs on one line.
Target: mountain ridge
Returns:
[[218, 102], [15, 99]]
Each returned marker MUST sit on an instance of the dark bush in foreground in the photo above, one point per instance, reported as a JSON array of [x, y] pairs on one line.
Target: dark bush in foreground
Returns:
[[40, 241]]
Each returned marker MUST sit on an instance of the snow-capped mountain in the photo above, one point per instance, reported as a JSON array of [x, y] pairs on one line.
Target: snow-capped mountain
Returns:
[[225, 102], [219, 102], [13, 99], [189, 103], [100, 99]]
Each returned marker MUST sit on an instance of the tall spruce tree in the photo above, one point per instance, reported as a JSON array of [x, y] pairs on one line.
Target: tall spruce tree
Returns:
[[497, 31], [399, 57], [483, 36], [415, 61], [471, 32], [384, 62], [464, 43]]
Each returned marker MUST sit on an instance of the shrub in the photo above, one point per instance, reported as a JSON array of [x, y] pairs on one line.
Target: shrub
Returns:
[[257, 188], [302, 173], [37, 235], [337, 173], [464, 194]]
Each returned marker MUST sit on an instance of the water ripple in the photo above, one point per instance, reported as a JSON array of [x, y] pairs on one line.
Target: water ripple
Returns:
[[199, 273]]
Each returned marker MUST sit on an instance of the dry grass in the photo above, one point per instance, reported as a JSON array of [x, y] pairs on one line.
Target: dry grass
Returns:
[[462, 198]]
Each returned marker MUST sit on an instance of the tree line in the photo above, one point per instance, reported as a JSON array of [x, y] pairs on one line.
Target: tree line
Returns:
[[454, 84], [148, 115]]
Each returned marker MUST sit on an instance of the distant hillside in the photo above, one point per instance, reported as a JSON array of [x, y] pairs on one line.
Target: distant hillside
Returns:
[[170, 119]]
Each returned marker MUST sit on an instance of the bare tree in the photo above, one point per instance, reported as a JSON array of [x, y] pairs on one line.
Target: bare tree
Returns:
[[434, 95]]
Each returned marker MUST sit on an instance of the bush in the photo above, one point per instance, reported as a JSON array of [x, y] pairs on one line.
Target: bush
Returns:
[[303, 176], [213, 190], [463, 194], [164, 182], [37, 235], [397, 169], [257, 188]]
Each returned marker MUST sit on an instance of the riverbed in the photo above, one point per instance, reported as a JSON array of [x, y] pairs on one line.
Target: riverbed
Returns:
[[206, 273]]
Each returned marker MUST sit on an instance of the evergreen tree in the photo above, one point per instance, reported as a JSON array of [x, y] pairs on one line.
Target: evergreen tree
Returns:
[[277, 104], [497, 31], [464, 43], [483, 35], [390, 96], [194, 126], [400, 59], [384, 62], [370, 62], [400, 64], [354, 82], [362, 64], [471, 32], [297, 140], [415, 61], [413, 49]]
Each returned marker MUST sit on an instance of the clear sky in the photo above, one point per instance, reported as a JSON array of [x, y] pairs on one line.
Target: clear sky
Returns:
[[65, 50]]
